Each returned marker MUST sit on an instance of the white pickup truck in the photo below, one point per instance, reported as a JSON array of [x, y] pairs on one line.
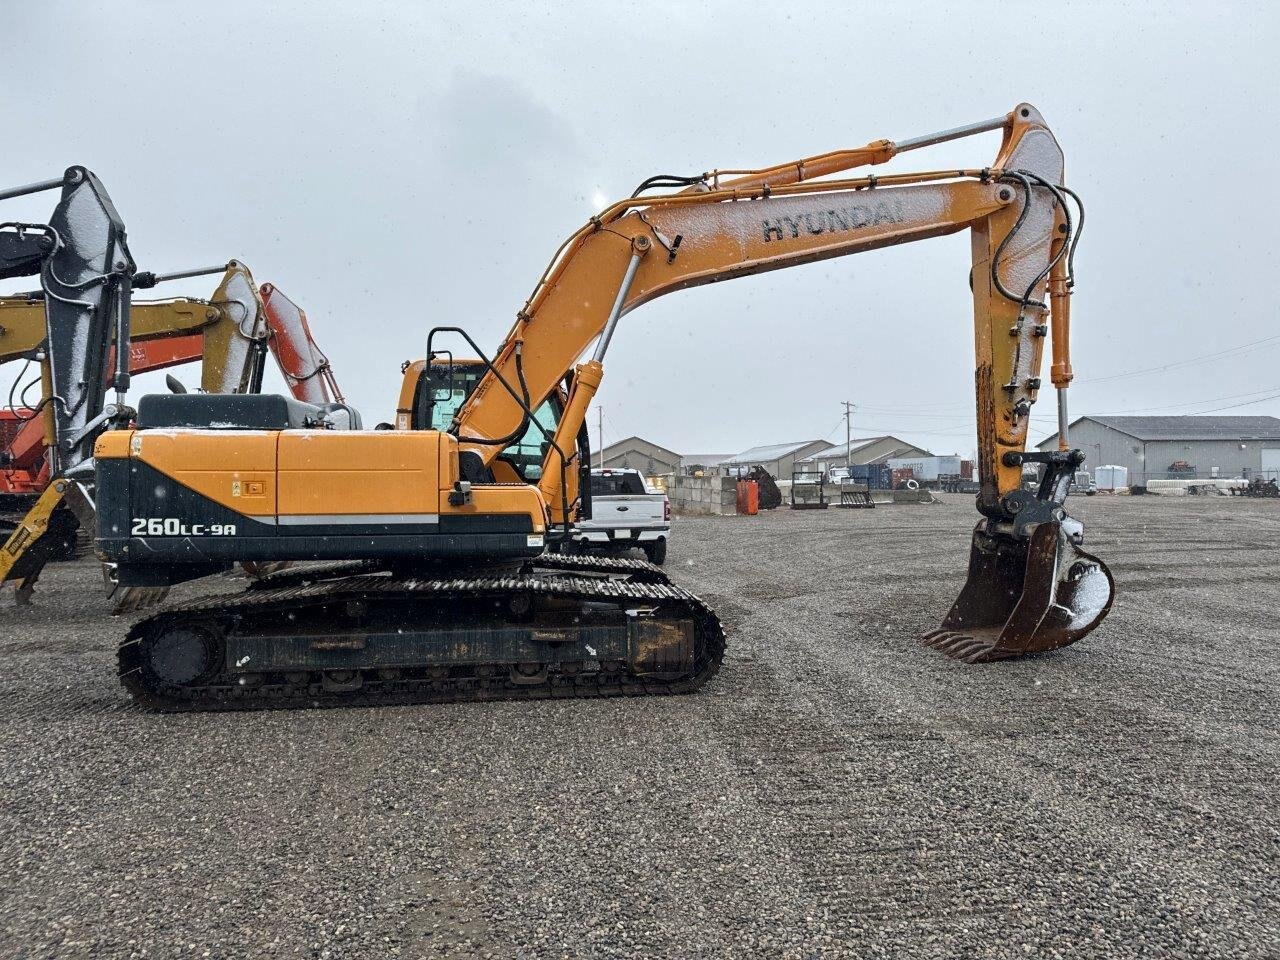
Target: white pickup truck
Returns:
[[624, 515]]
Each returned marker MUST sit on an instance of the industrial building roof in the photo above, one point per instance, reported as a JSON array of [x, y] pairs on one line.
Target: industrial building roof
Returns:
[[607, 451], [705, 459], [903, 449], [838, 448], [767, 453], [1188, 428]]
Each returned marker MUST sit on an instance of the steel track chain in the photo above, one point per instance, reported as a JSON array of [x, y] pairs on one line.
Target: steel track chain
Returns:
[[228, 695], [637, 569]]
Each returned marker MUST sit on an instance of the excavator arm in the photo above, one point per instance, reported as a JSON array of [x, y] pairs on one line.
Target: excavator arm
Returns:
[[86, 275], [1022, 237], [231, 328], [305, 368]]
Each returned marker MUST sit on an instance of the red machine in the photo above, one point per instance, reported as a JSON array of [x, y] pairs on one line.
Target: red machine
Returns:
[[233, 353], [24, 468], [306, 369]]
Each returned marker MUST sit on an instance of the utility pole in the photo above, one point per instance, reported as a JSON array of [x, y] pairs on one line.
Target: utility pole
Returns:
[[848, 435], [600, 431]]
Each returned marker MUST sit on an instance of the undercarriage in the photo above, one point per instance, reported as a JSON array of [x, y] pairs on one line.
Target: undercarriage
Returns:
[[354, 634]]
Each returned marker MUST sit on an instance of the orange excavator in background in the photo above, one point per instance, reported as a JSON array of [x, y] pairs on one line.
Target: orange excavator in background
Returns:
[[304, 366], [442, 589], [229, 334]]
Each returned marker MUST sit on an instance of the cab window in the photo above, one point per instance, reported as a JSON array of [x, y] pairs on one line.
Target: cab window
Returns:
[[443, 395], [616, 485]]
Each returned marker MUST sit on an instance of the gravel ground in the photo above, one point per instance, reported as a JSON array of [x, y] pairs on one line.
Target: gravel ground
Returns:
[[838, 790]]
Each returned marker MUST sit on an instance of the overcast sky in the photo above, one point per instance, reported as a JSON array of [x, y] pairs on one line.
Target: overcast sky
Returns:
[[392, 166]]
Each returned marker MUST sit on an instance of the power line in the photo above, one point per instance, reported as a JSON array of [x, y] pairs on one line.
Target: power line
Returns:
[[950, 431], [1247, 403], [1191, 403], [939, 416], [1219, 355]]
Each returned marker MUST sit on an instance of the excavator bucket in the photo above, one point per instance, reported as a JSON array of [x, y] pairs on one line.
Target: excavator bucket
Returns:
[[1024, 597]]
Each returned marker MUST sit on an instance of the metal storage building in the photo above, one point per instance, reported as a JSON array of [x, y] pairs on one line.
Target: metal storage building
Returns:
[[637, 453], [865, 450], [1149, 446], [778, 458]]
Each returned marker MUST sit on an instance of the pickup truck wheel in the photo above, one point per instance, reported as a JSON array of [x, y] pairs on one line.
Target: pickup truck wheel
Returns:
[[656, 551]]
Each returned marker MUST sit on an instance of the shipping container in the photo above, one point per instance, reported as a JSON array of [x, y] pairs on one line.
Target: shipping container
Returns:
[[877, 476], [928, 469]]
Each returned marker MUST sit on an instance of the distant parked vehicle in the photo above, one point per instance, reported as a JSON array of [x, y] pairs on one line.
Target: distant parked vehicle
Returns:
[[624, 516], [1083, 482]]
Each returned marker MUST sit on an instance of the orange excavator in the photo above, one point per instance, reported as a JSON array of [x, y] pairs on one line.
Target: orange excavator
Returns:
[[229, 334], [304, 366], [439, 586]]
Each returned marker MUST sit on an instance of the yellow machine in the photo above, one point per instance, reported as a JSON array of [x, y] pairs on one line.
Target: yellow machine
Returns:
[[229, 326], [227, 333], [445, 591]]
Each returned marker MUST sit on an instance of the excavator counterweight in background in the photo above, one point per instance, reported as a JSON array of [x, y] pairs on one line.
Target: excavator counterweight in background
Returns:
[[441, 589]]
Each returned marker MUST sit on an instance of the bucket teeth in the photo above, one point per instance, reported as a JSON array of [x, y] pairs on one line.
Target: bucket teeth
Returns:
[[959, 646]]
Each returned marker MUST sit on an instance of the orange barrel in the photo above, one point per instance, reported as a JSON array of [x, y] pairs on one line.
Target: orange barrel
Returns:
[[748, 497]]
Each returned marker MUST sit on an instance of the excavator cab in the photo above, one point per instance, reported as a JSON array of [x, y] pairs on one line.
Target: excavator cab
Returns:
[[432, 394]]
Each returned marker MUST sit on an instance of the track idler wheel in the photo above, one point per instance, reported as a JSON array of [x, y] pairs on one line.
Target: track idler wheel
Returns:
[[183, 654], [1024, 597]]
